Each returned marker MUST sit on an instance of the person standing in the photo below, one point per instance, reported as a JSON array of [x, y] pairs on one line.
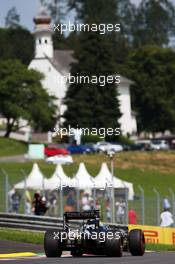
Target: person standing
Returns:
[[70, 202], [132, 217], [166, 218], [28, 207], [15, 199], [120, 213], [39, 204], [53, 203], [108, 210], [85, 202], [28, 203], [166, 204]]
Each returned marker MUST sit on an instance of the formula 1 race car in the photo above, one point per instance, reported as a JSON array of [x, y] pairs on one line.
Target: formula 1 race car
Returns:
[[93, 238]]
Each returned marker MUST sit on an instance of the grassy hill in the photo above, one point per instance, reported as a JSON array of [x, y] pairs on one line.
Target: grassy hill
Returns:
[[148, 169], [10, 147]]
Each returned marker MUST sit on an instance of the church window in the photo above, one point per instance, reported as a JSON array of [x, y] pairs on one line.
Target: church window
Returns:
[[45, 41], [39, 41]]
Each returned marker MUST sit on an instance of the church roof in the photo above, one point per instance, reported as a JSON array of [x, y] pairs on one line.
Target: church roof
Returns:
[[125, 80], [42, 16], [62, 60]]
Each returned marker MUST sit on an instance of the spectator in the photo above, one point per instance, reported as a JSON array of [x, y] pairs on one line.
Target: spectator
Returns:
[[45, 204], [166, 204], [166, 218], [92, 204], [132, 216], [28, 202], [120, 213], [98, 205], [10, 193], [15, 200], [70, 202], [39, 204], [53, 203], [28, 207], [85, 202], [108, 210]]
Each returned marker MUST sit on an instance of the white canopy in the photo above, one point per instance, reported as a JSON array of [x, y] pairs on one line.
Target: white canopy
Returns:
[[59, 178], [35, 180], [104, 179], [130, 188], [83, 178]]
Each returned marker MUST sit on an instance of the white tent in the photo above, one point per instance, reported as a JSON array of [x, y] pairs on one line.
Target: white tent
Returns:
[[58, 179], [35, 180], [83, 178], [104, 179], [130, 188]]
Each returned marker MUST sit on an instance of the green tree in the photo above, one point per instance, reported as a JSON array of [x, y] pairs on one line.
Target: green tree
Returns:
[[12, 18], [154, 22], [22, 96], [126, 12], [153, 71], [16, 43], [112, 12], [100, 12], [56, 8], [92, 105]]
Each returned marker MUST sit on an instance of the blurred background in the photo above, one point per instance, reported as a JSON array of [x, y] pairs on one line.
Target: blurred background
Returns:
[[35, 163]]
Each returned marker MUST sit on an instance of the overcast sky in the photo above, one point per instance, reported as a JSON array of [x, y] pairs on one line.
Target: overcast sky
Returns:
[[27, 9]]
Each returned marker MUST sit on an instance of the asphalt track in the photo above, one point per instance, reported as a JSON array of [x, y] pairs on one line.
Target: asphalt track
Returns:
[[12, 246], [148, 258]]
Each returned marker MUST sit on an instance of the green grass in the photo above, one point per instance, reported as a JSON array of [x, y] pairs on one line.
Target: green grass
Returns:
[[22, 236], [10, 147], [148, 179], [160, 247]]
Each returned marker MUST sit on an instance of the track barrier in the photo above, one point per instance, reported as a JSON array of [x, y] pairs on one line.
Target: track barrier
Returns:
[[157, 235]]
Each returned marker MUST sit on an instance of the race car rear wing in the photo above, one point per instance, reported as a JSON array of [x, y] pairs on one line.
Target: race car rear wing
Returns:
[[92, 214]]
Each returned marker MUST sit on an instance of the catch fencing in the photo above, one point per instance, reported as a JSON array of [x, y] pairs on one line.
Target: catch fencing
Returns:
[[147, 208]]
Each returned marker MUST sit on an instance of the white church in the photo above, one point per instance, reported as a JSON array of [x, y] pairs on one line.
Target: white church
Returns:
[[55, 65]]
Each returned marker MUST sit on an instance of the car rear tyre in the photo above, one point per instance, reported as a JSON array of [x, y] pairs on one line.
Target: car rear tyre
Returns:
[[136, 242], [113, 248], [52, 247]]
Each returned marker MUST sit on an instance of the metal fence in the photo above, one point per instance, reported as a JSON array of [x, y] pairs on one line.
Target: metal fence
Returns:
[[147, 208]]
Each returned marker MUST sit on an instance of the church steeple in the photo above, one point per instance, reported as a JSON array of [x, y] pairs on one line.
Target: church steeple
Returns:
[[43, 35]]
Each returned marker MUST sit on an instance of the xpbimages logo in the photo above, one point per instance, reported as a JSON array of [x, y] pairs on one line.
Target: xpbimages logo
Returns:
[[101, 80], [101, 132], [94, 235], [99, 28]]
